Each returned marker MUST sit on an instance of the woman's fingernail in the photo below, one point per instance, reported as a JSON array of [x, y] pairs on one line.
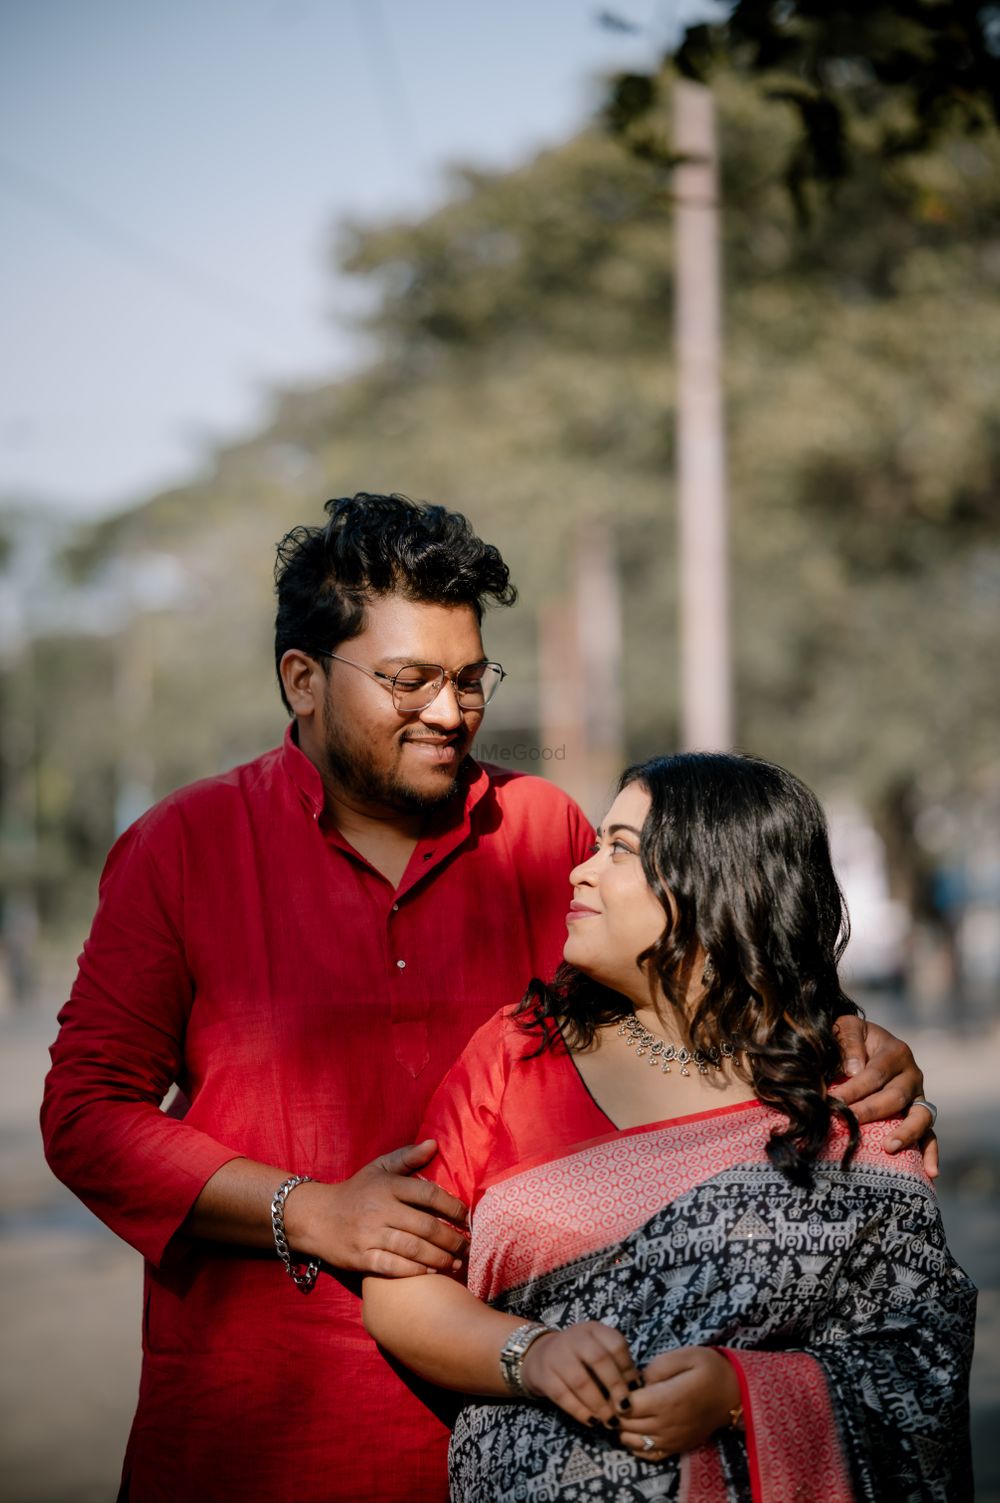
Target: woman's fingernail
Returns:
[[892, 1144], [593, 1422], [624, 1405], [614, 1423], [634, 1383]]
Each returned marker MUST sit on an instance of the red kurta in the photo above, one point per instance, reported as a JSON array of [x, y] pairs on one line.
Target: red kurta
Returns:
[[245, 950]]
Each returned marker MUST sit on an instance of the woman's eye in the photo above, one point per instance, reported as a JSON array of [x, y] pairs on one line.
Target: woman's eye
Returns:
[[618, 847]]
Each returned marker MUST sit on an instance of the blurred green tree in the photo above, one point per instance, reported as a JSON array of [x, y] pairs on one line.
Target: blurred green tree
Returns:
[[520, 371], [863, 79]]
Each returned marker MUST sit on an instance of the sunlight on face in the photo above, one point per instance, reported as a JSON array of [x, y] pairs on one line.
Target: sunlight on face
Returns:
[[615, 915]]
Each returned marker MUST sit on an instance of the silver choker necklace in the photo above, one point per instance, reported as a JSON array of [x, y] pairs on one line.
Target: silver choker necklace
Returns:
[[663, 1054]]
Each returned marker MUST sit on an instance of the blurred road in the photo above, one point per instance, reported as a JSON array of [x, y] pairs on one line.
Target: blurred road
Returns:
[[70, 1292]]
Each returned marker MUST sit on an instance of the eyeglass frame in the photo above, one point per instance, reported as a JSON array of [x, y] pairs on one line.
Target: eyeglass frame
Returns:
[[387, 681]]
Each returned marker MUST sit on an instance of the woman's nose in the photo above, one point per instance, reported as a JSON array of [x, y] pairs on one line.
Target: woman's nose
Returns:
[[583, 875]]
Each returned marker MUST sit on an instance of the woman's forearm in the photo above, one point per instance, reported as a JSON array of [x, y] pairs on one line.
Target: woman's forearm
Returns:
[[440, 1330]]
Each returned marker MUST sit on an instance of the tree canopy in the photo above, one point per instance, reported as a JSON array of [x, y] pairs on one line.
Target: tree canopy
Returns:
[[862, 78], [521, 371]]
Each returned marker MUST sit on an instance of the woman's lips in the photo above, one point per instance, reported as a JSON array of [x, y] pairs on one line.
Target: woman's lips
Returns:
[[580, 911]]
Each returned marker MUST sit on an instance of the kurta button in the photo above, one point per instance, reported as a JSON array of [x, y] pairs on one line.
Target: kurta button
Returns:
[[401, 964], [395, 907]]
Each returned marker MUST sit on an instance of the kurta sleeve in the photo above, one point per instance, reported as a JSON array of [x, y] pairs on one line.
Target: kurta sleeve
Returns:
[[876, 1405], [581, 835], [464, 1114], [121, 1047]]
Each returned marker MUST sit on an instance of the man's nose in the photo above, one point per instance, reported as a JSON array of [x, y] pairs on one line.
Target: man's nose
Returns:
[[444, 709]]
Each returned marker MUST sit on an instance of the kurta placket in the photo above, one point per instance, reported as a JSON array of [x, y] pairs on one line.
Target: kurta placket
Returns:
[[410, 977]]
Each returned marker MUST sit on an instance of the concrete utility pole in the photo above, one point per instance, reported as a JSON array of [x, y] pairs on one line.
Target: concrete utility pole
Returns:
[[706, 674], [560, 700], [599, 633], [580, 674]]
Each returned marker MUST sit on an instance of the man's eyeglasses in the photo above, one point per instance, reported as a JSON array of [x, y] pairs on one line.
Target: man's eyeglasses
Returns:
[[417, 685]]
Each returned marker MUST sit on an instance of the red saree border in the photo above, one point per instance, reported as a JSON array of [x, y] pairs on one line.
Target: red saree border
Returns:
[[617, 1134], [702, 1479], [870, 1150], [570, 1202], [577, 1201], [793, 1442]]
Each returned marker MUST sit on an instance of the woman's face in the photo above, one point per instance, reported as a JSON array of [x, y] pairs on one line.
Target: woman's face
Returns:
[[614, 915]]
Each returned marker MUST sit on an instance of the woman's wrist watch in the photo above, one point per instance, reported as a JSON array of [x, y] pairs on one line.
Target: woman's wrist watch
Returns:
[[515, 1349]]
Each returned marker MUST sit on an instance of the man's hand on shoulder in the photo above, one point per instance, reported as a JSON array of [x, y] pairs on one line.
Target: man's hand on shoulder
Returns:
[[885, 1081], [381, 1220]]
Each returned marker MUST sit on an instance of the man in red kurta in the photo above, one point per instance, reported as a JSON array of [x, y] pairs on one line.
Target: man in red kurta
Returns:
[[304, 946]]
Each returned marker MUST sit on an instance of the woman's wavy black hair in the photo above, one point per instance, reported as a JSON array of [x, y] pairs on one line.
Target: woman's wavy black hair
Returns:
[[370, 546], [736, 850]]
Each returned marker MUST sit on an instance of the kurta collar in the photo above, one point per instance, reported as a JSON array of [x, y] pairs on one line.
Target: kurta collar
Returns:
[[303, 774], [447, 828]]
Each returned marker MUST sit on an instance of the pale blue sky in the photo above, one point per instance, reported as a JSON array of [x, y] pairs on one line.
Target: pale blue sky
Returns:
[[170, 175]]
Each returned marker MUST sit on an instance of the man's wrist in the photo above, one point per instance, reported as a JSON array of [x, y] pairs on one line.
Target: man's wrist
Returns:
[[301, 1220]]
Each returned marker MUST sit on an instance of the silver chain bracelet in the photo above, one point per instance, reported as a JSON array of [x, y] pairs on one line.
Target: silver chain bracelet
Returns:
[[302, 1275]]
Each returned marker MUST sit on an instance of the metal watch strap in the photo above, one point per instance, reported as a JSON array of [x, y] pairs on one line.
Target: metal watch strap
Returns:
[[302, 1275], [514, 1351]]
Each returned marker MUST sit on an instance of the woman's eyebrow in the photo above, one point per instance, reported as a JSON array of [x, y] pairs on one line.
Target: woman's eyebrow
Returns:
[[612, 829]]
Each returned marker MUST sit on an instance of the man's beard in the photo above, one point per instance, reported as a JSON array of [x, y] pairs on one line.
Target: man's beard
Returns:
[[359, 779]]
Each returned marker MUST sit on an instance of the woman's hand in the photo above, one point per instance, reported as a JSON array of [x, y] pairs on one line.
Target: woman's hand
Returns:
[[587, 1370], [687, 1395]]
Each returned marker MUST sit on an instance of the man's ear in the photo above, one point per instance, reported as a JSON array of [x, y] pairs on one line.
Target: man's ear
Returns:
[[303, 680]]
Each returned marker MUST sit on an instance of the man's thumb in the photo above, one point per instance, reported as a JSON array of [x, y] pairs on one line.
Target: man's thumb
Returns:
[[406, 1160]]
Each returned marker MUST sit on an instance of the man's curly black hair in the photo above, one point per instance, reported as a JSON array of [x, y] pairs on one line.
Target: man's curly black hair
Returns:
[[371, 546]]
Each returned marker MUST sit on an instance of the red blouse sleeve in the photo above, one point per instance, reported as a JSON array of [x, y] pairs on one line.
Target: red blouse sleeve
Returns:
[[120, 1048], [464, 1114]]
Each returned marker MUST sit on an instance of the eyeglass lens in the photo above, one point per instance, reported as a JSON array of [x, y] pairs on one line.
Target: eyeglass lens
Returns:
[[418, 684]]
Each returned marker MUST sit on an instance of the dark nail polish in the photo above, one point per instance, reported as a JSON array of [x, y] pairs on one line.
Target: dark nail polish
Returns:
[[634, 1383], [594, 1422], [614, 1423], [625, 1405]]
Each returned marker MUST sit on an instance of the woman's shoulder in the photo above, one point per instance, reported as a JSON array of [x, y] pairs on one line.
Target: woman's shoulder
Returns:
[[498, 1041], [515, 1032], [872, 1151]]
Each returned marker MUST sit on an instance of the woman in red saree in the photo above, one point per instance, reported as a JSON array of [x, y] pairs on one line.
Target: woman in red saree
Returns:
[[691, 1276]]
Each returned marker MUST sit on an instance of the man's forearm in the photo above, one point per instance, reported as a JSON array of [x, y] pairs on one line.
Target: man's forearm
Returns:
[[384, 1219], [235, 1206]]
